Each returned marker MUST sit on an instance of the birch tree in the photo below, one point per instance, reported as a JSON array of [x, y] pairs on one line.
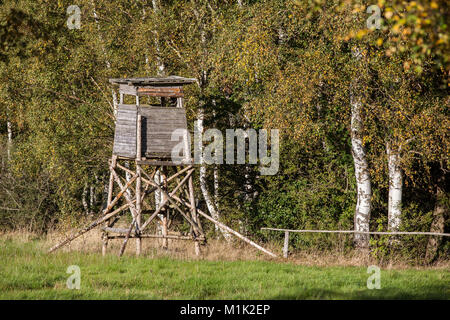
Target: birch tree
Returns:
[[202, 14], [9, 133], [395, 187], [160, 71], [362, 175]]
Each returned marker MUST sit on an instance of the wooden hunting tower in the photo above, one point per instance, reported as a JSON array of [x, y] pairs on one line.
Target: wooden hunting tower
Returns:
[[143, 164], [144, 135]]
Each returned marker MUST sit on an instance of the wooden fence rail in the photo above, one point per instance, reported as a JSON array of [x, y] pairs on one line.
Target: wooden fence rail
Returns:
[[287, 231]]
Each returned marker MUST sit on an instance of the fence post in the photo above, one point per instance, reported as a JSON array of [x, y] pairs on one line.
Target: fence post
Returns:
[[286, 244]]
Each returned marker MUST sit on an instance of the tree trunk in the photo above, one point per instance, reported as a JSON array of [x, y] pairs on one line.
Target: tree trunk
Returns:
[[363, 183], [108, 64], [83, 199], [437, 225], [91, 199], [9, 130], [395, 188], [203, 181], [160, 72], [113, 92], [249, 188], [159, 61], [199, 130], [158, 200], [216, 193], [105, 192]]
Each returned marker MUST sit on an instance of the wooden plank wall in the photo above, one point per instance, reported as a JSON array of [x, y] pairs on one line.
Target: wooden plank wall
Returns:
[[125, 133], [174, 92], [158, 123]]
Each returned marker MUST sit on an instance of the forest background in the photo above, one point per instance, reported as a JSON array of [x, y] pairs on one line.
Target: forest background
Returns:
[[360, 100]]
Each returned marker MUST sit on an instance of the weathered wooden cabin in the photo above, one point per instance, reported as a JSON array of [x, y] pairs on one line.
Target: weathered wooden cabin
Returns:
[[158, 120]]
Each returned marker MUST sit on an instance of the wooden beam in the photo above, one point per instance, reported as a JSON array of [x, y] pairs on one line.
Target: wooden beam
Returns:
[[194, 215], [89, 227], [286, 244], [124, 244], [164, 163], [169, 198], [146, 223], [157, 236], [138, 181], [153, 175], [173, 92], [192, 202], [361, 232], [221, 225], [125, 194], [120, 194], [110, 194]]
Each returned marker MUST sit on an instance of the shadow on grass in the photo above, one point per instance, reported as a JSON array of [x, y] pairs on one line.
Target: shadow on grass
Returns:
[[425, 293]]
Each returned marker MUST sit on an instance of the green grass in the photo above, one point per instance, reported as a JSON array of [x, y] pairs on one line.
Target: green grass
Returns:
[[27, 272]]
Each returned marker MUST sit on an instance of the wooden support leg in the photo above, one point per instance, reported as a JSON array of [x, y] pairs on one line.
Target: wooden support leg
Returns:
[[165, 242], [193, 208], [138, 210], [124, 244], [197, 248], [194, 214], [110, 193], [138, 182], [286, 244], [104, 243], [134, 224]]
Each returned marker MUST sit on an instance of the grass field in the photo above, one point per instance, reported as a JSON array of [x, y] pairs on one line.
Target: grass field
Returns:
[[27, 272]]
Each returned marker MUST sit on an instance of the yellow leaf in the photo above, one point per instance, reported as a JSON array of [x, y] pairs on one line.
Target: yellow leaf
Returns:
[[361, 33]]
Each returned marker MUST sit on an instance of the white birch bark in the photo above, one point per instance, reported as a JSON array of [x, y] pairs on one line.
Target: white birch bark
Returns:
[[107, 62], [158, 200], [200, 117], [144, 16], [84, 199], [363, 182], [91, 199], [159, 61], [395, 188], [105, 192], [249, 189], [9, 134], [160, 72], [203, 181], [216, 180], [216, 193]]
